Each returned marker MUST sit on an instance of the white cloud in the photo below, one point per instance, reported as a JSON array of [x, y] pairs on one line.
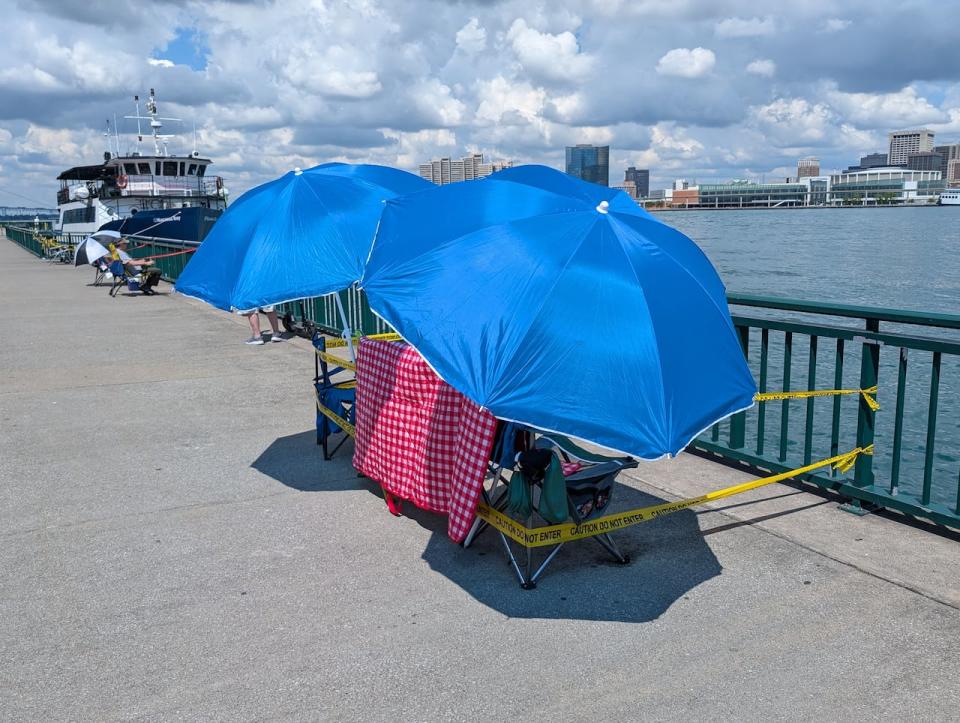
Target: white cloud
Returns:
[[472, 38], [884, 110], [555, 57], [433, 98], [834, 25], [794, 121], [687, 63], [762, 67], [160, 62], [415, 147], [745, 27]]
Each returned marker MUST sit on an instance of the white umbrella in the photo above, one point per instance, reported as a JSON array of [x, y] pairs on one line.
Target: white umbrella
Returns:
[[88, 251], [115, 235]]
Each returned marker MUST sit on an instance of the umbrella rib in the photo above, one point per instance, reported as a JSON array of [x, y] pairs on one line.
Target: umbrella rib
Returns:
[[723, 312], [656, 340]]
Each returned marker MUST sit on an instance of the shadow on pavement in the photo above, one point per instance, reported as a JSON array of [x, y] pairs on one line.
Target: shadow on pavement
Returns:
[[669, 556], [294, 461]]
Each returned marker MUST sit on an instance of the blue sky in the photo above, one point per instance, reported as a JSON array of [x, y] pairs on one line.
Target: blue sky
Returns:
[[188, 47]]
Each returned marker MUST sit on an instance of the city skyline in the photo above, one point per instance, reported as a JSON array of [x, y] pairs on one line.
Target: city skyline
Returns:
[[712, 91]]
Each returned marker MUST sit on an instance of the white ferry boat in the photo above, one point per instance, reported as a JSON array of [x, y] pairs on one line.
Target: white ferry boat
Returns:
[[158, 196], [950, 197]]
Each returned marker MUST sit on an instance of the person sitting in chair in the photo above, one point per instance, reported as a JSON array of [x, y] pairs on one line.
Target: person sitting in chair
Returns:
[[149, 276]]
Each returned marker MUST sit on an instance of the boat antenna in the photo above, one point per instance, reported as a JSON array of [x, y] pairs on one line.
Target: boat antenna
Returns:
[[116, 133], [195, 153], [159, 139], [109, 136]]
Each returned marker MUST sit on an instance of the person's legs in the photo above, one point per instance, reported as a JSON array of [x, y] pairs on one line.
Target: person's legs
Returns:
[[254, 319], [274, 324]]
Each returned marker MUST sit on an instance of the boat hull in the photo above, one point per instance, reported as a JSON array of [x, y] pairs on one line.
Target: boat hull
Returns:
[[182, 226]]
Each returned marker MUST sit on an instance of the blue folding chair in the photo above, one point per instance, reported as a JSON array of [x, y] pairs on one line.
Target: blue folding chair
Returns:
[[336, 397]]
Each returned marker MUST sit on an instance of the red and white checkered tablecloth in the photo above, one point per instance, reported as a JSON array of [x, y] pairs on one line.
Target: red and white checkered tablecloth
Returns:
[[417, 436]]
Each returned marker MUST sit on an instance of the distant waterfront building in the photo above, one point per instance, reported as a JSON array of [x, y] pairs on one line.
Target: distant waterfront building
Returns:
[[629, 188], [640, 178], [746, 194], [885, 185], [924, 161], [807, 167], [871, 160], [874, 160], [953, 173], [589, 163], [447, 170], [947, 154], [686, 197], [903, 143]]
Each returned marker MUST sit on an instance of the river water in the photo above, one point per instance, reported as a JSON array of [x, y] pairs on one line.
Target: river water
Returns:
[[905, 258]]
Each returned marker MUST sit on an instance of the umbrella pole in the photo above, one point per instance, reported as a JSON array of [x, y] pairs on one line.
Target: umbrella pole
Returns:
[[347, 332]]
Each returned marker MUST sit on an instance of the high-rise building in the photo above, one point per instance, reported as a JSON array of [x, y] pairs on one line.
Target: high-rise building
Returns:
[[808, 167], [446, 170], [589, 163], [924, 161], [952, 178], [947, 154], [874, 160], [903, 143], [640, 178]]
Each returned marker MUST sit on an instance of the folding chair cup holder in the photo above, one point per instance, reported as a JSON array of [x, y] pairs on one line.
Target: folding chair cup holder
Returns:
[[589, 490]]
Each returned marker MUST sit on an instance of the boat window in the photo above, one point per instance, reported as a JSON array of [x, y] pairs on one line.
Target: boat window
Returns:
[[169, 168], [201, 169], [144, 169], [181, 169], [130, 169], [86, 214], [192, 170], [157, 167]]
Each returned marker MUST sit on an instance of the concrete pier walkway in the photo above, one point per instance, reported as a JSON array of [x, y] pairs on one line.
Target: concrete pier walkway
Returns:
[[172, 546]]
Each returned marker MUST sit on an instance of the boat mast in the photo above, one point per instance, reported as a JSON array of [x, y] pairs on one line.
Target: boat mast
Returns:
[[159, 139]]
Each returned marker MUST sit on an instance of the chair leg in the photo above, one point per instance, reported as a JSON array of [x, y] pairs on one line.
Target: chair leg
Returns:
[[607, 543], [547, 561]]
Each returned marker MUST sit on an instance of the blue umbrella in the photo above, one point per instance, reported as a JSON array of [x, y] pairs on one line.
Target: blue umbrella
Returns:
[[562, 305], [302, 235]]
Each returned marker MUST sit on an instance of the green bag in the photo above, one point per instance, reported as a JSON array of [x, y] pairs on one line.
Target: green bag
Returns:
[[553, 496], [518, 495]]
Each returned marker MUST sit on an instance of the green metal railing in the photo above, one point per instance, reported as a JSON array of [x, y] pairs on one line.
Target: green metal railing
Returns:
[[914, 468], [26, 238], [323, 313], [170, 266]]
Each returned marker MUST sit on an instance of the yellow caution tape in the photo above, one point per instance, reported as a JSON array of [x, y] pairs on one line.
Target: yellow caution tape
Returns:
[[867, 394], [555, 534], [331, 359], [340, 342], [334, 417]]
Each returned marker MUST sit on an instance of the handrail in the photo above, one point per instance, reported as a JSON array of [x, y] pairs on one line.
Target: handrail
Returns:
[[873, 313]]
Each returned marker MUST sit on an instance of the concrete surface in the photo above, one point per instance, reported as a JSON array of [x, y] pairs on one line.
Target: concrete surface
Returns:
[[173, 547]]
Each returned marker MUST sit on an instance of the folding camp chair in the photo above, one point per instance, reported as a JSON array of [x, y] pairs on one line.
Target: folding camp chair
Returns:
[[587, 488], [102, 272], [335, 400], [120, 277]]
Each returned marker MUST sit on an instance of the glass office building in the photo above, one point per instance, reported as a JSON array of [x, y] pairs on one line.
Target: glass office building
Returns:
[[589, 163]]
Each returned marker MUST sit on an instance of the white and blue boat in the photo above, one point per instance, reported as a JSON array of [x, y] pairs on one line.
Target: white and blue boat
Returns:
[[153, 196]]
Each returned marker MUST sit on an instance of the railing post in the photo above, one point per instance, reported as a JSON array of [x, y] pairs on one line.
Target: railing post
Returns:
[[738, 423], [866, 419]]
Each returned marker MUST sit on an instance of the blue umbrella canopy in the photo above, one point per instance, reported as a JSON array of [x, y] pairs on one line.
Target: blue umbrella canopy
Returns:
[[562, 305], [304, 234]]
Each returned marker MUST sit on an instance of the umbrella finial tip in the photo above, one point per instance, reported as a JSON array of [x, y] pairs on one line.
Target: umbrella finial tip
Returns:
[[297, 171], [603, 206]]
